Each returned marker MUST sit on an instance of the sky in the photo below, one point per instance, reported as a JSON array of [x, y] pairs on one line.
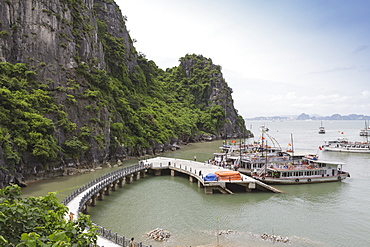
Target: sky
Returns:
[[280, 57]]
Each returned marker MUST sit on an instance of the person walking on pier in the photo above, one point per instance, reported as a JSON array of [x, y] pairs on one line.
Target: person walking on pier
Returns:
[[132, 244], [71, 216]]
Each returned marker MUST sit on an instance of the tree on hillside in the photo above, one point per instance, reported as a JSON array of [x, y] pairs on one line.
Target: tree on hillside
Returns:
[[40, 221]]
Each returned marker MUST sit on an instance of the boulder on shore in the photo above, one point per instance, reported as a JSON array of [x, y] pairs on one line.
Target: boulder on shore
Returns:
[[159, 234]]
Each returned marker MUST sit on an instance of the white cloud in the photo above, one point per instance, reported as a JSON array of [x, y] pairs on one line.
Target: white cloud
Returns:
[[365, 94], [279, 57]]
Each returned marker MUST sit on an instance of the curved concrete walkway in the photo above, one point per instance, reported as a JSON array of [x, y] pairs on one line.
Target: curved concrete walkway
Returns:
[[193, 168], [87, 194], [73, 206]]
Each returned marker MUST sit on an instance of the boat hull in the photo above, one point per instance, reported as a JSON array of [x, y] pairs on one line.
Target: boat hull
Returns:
[[347, 150], [303, 180]]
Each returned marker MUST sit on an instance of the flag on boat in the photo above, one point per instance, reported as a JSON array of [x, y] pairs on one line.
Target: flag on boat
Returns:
[[320, 148]]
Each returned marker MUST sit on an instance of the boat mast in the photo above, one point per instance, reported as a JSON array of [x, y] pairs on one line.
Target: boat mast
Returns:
[[240, 149], [266, 158], [225, 135], [291, 139], [263, 131], [367, 133]]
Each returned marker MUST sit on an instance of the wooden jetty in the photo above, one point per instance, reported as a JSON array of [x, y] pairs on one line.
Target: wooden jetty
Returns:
[[197, 172]]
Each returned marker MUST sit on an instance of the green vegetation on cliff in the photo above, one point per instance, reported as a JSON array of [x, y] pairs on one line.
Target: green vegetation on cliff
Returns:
[[24, 106], [79, 94], [158, 106]]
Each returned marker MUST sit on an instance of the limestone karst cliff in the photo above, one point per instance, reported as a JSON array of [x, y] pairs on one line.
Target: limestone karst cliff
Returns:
[[75, 93]]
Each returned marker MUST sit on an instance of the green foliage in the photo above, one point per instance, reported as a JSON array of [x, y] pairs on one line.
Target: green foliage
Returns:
[[4, 33], [140, 102], [40, 221], [74, 147], [22, 116]]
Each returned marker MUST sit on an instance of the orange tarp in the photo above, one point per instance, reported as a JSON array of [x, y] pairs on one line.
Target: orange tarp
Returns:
[[228, 175]]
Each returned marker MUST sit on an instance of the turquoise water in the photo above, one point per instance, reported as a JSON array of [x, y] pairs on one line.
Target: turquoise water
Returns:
[[330, 214]]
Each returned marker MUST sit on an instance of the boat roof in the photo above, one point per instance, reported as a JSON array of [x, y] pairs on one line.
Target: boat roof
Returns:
[[328, 162]]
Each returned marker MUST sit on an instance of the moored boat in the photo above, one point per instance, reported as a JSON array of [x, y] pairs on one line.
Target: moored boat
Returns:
[[365, 131], [321, 129], [263, 128], [343, 145], [253, 163], [305, 172]]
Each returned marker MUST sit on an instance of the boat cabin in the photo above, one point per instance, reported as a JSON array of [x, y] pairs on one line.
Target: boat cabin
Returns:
[[307, 168]]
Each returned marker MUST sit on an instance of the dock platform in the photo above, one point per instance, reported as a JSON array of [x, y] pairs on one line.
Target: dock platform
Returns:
[[198, 170]]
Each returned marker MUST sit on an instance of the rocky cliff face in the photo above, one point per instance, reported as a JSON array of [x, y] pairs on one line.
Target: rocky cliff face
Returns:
[[54, 38], [80, 50], [215, 92]]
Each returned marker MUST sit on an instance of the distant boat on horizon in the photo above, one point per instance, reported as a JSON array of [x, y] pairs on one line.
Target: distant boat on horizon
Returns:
[[365, 131], [263, 128], [321, 129]]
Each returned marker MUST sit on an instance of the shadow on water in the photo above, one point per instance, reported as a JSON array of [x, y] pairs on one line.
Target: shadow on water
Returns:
[[65, 185]]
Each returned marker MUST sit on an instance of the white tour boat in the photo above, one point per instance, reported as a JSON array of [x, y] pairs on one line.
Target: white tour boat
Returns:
[[321, 129], [304, 172], [343, 145], [263, 128], [253, 163], [365, 131]]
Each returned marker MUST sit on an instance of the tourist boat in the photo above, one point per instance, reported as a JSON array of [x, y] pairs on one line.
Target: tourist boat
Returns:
[[225, 159], [253, 163], [304, 172], [343, 145], [365, 131], [263, 128], [321, 129], [249, 158]]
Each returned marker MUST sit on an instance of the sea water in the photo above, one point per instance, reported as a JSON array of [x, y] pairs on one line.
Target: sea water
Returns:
[[328, 214]]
